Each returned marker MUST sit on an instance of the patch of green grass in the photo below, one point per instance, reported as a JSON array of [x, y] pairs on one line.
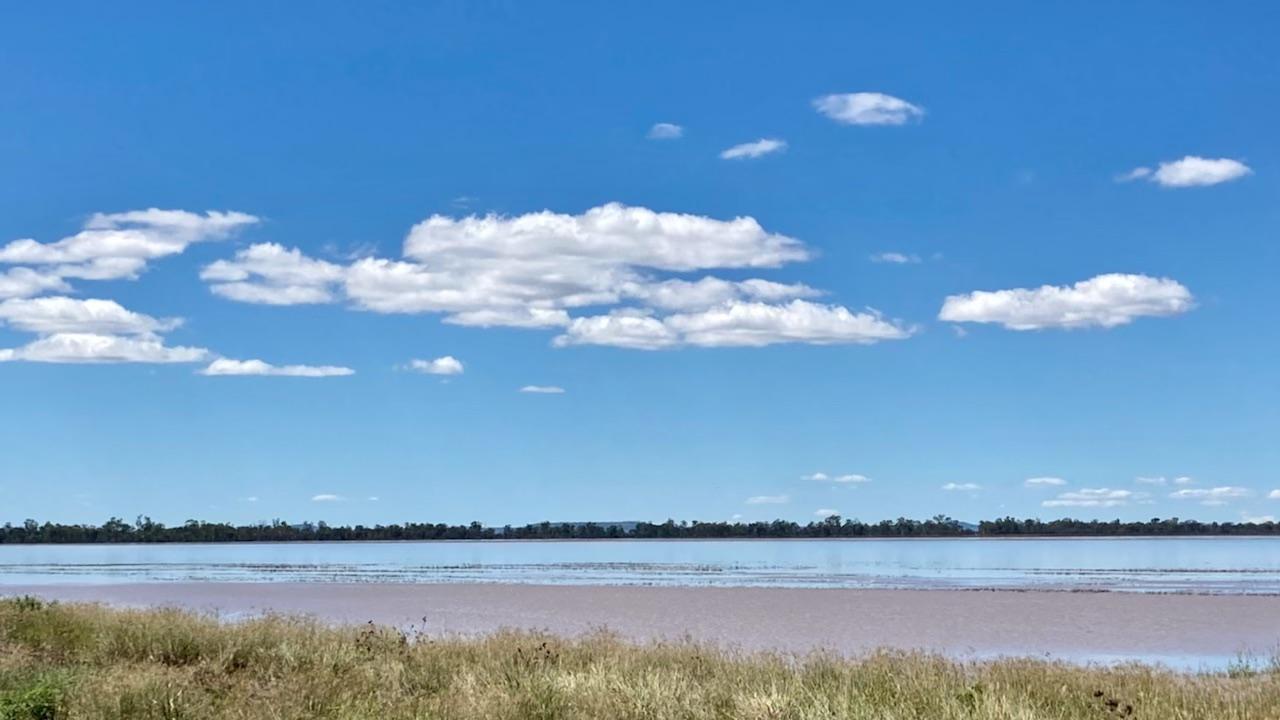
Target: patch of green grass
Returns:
[[36, 699], [78, 661]]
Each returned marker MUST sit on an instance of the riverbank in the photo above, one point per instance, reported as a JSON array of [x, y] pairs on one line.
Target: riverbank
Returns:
[[88, 661], [1182, 631]]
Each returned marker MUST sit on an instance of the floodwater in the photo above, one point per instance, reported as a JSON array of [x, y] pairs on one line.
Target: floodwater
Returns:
[[1212, 565]]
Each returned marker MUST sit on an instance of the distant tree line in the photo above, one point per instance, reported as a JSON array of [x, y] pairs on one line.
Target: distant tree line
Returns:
[[145, 530], [1104, 528]]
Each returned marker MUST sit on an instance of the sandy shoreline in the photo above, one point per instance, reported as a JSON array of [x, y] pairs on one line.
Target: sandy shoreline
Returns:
[[1182, 630]]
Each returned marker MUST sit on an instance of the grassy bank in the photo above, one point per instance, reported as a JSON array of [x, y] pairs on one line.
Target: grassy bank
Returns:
[[65, 661]]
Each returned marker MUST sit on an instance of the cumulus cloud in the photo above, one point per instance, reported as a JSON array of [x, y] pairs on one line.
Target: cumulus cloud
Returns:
[[533, 270], [1161, 480], [542, 389], [110, 246], [1273, 495], [961, 487], [113, 246], [709, 291], [1190, 171], [1095, 497], [847, 479], [611, 236], [735, 324], [526, 271], [1043, 481], [71, 330], [95, 348], [867, 108], [447, 365], [751, 150], [633, 329], [52, 315], [768, 499], [271, 274], [895, 258], [826, 512], [1103, 301], [227, 366], [327, 497], [1211, 496], [21, 282], [665, 131]]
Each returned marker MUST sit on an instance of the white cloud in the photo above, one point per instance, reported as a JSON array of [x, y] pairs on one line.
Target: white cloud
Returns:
[[71, 330], [526, 271], [867, 108], [665, 131], [759, 148], [634, 329], [51, 315], [1273, 495], [895, 258], [848, 479], [1191, 171], [1095, 497], [1043, 481], [543, 389], [1256, 519], [1103, 301], [1211, 496], [735, 324], [113, 246], [768, 499], [271, 274], [960, 487], [21, 282], [227, 366], [711, 291], [532, 270], [94, 348], [826, 512], [1161, 480], [611, 235], [1137, 173], [110, 246], [446, 365], [327, 497]]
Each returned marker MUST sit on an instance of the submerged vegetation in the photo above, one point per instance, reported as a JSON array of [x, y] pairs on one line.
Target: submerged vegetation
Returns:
[[68, 661], [144, 529]]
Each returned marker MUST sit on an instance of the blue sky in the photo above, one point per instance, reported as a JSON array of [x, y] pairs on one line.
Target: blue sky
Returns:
[[976, 247]]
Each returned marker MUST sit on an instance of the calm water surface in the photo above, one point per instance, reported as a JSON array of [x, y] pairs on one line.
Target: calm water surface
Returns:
[[1204, 565]]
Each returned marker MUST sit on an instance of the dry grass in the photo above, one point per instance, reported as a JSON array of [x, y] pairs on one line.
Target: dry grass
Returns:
[[67, 661]]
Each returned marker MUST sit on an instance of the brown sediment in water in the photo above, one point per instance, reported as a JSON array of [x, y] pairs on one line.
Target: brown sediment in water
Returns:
[[789, 619]]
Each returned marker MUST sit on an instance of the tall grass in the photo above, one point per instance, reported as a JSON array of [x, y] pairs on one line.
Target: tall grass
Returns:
[[75, 661]]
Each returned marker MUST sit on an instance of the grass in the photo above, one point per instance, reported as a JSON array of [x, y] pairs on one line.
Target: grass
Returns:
[[78, 661]]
